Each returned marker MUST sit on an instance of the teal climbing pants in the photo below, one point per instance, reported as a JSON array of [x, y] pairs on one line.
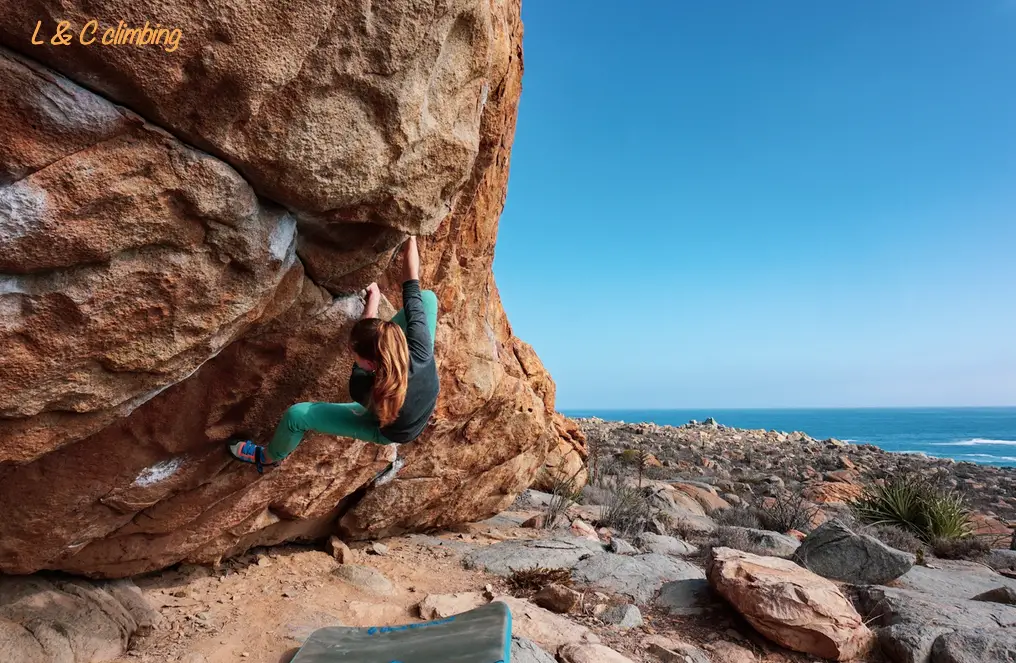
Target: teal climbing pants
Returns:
[[342, 419]]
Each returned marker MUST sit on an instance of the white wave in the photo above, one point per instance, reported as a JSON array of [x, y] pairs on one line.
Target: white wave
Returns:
[[976, 442], [1008, 459]]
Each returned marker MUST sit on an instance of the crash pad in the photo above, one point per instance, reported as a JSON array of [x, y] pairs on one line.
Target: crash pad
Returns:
[[482, 635]]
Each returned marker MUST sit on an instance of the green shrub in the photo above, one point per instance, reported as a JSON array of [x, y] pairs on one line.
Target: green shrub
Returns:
[[908, 501]]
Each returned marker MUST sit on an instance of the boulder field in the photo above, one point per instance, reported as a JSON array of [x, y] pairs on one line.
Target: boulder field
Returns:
[[184, 236]]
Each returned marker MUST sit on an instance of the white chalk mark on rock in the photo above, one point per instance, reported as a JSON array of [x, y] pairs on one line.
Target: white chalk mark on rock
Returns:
[[158, 472]]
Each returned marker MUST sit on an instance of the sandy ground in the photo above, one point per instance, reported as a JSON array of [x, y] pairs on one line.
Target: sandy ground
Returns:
[[259, 608]]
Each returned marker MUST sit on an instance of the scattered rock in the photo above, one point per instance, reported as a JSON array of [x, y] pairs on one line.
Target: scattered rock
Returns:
[[590, 653], [558, 598], [583, 529], [773, 543], [366, 579], [686, 597], [440, 606], [833, 492], [791, 606], [722, 651], [1004, 595], [665, 545], [622, 547], [526, 651], [835, 552], [636, 577], [508, 556], [622, 616], [705, 496], [546, 629], [377, 549], [669, 650], [338, 549]]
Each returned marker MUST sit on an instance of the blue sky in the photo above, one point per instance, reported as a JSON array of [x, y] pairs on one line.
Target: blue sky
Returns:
[[766, 204]]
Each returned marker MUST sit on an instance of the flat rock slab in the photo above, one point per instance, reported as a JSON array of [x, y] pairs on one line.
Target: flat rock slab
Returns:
[[989, 646], [638, 578], [962, 580], [665, 545], [773, 543], [527, 651], [686, 597], [506, 557], [835, 552], [440, 606]]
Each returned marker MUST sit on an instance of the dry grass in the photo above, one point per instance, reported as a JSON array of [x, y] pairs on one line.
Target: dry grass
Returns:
[[526, 582]]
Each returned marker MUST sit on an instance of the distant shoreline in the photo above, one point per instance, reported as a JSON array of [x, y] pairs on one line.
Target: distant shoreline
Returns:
[[979, 435]]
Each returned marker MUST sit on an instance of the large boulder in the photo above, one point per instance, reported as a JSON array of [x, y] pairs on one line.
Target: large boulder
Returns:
[[835, 552], [63, 621], [988, 646], [180, 260], [790, 605]]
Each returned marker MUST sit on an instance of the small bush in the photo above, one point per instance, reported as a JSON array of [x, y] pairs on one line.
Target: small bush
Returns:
[[563, 494], [910, 502], [626, 511], [968, 547], [729, 537], [786, 512], [526, 582], [894, 537], [595, 495], [738, 516]]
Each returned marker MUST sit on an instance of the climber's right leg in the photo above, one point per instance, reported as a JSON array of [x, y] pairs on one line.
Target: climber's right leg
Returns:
[[342, 419]]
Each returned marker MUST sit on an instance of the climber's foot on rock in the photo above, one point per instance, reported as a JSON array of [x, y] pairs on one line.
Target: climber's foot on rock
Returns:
[[390, 473], [246, 451]]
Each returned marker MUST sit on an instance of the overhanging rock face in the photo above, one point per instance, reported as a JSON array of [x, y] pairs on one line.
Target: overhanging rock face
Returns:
[[179, 237]]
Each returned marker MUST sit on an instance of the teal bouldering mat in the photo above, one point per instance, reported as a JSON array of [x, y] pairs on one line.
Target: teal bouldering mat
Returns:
[[483, 635]]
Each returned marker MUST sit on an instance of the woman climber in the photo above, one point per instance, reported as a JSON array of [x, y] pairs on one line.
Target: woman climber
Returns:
[[394, 380]]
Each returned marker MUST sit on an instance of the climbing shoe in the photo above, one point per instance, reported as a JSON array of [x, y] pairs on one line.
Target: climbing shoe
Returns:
[[246, 451]]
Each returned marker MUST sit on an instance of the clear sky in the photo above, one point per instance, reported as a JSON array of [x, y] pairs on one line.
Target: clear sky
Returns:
[[766, 204]]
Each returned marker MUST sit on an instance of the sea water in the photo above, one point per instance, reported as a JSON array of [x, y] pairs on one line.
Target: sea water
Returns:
[[976, 435]]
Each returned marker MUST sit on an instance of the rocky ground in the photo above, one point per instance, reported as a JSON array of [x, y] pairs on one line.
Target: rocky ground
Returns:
[[694, 587], [753, 464]]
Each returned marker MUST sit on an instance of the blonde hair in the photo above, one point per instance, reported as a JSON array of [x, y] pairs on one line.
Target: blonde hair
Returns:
[[384, 343]]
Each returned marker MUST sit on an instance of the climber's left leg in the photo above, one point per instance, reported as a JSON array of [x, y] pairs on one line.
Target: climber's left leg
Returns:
[[341, 419]]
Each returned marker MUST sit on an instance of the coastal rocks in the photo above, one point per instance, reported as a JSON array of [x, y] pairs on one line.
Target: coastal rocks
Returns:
[[834, 552], [566, 461], [790, 605], [70, 620], [159, 299], [706, 496], [637, 577], [508, 556]]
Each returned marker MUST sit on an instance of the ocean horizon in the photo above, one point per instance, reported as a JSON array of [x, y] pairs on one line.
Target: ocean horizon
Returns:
[[983, 435]]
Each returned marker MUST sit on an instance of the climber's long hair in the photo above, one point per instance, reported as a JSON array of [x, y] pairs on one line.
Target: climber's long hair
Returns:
[[384, 343]]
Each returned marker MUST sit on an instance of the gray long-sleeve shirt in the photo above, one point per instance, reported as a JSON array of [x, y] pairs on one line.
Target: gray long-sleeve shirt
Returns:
[[423, 385]]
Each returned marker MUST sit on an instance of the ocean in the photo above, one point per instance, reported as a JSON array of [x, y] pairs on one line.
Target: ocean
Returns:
[[976, 435]]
